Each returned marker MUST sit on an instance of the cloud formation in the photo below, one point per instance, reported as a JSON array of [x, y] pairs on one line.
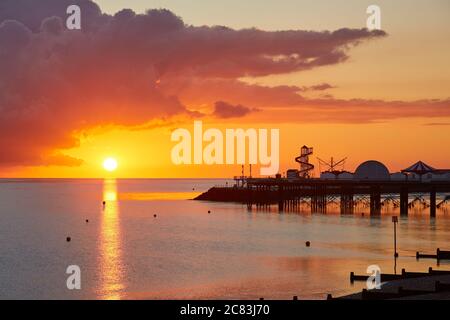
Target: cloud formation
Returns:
[[320, 87], [436, 124], [287, 104], [225, 110], [129, 69]]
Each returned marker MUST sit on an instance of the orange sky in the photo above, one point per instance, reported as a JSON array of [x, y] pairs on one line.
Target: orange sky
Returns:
[[373, 100], [147, 153]]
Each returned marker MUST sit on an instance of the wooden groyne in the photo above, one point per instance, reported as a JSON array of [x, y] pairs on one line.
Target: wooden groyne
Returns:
[[406, 284], [440, 255], [401, 292], [404, 275], [318, 193]]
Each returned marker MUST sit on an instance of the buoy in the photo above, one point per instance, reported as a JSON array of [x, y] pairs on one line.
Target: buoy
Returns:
[[104, 202], [209, 211], [68, 239], [87, 220], [154, 216], [308, 243]]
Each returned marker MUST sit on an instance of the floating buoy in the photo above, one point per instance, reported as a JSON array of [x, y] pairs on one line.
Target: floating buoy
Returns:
[[87, 220], [308, 243], [104, 202], [154, 216], [209, 211], [68, 239]]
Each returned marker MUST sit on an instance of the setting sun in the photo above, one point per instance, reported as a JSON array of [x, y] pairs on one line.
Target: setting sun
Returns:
[[110, 164]]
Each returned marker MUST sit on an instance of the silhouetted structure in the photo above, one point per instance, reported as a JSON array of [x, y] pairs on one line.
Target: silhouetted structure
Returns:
[[303, 160], [371, 180], [318, 193]]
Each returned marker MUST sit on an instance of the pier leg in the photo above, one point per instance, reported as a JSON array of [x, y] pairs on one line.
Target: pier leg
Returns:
[[404, 202], [249, 197], [375, 201], [280, 198], [320, 199], [346, 201], [323, 200], [280, 206], [433, 203], [351, 204], [343, 203], [314, 201]]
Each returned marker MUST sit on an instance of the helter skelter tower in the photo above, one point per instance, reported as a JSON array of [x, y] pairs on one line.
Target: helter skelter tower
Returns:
[[303, 160]]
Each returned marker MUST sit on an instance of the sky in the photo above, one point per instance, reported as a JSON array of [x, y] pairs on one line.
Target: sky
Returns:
[[121, 85]]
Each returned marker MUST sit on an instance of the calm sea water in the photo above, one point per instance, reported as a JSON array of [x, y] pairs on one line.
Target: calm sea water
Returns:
[[124, 252]]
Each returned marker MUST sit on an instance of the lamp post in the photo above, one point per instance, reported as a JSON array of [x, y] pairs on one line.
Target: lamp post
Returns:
[[395, 221]]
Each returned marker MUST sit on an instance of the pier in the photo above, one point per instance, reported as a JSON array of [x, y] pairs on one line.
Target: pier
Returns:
[[317, 193], [371, 185]]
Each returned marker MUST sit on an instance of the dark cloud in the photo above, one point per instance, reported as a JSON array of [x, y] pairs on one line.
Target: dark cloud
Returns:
[[321, 87], [223, 109], [317, 87], [287, 104], [125, 69], [432, 124], [52, 25]]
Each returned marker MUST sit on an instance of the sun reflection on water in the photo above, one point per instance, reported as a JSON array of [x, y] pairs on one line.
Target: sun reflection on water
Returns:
[[111, 273]]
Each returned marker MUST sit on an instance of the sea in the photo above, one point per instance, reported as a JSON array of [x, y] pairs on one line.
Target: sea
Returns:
[[150, 240]]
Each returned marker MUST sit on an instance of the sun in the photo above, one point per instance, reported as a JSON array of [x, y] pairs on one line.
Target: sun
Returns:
[[110, 164]]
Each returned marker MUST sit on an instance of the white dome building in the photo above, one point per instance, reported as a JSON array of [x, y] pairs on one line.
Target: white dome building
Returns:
[[372, 170]]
